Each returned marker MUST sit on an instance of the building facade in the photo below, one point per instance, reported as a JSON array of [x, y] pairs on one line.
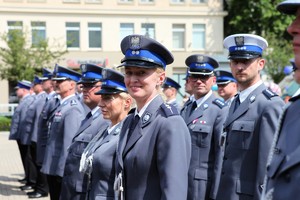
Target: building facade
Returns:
[[91, 30]]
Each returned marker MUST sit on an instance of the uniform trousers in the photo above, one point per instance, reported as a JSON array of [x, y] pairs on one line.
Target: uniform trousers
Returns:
[[54, 183], [41, 184]]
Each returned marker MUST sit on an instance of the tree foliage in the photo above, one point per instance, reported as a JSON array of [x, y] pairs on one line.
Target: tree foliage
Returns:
[[261, 17], [21, 60]]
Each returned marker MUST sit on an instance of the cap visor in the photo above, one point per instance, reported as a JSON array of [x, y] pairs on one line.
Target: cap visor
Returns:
[[244, 57], [106, 91], [289, 8]]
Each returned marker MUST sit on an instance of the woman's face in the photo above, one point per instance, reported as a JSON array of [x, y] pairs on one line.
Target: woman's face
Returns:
[[114, 107], [143, 83]]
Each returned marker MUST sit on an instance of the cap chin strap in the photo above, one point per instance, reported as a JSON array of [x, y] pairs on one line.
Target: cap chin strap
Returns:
[[223, 83], [202, 73]]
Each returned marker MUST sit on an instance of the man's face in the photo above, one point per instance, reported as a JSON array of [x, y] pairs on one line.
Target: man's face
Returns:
[[201, 84], [63, 87], [246, 71], [226, 91], [294, 31], [88, 94]]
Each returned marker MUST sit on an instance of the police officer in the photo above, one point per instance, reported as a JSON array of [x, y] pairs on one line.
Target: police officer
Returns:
[[189, 90], [251, 122], [154, 152], [50, 104], [64, 123], [30, 133], [283, 167], [170, 89], [25, 99], [227, 86], [99, 157], [204, 118], [74, 183]]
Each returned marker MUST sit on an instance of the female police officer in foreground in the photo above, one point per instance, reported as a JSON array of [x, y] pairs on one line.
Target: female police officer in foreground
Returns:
[[153, 155], [98, 157]]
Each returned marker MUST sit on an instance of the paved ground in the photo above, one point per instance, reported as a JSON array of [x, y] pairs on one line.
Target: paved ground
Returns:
[[11, 170]]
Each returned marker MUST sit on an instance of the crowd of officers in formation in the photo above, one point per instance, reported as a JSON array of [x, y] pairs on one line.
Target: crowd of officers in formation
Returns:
[[119, 139]]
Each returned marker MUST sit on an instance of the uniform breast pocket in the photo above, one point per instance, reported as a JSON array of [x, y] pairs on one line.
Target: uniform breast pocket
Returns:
[[201, 135], [80, 144], [242, 134], [57, 119]]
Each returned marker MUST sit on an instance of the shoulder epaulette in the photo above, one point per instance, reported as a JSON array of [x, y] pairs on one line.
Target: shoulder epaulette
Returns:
[[219, 103], [169, 109], [269, 94], [292, 99]]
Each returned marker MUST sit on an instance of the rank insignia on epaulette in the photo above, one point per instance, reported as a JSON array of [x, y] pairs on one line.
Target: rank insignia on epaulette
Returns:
[[73, 102], [219, 103]]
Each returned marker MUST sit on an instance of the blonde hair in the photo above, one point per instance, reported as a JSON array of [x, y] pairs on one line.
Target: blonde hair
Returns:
[[125, 96]]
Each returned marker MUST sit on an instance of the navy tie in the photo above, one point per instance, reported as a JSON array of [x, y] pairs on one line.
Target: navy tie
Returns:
[[194, 106], [132, 126], [237, 103]]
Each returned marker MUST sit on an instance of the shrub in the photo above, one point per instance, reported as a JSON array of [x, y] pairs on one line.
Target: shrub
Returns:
[[4, 123]]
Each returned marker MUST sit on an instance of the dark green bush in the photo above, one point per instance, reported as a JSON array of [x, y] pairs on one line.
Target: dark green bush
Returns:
[[4, 123]]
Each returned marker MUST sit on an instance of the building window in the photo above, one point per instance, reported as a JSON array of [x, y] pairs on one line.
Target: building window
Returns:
[[14, 27], [95, 35], [146, 1], [148, 30], [93, 1], [73, 34], [126, 29], [178, 31], [177, 1], [38, 32], [37, 1], [198, 41], [198, 1], [126, 1], [71, 1]]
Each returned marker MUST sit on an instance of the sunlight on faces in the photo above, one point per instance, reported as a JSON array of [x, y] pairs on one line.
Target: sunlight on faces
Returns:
[[143, 83], [228, 90], [47, 85], [294, 30], [115, 106], [202, 84], [63, 87], [88, 93], [247, 71]]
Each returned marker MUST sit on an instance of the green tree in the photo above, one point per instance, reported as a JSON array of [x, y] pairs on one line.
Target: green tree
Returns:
[[20, 60], [261, 17]]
